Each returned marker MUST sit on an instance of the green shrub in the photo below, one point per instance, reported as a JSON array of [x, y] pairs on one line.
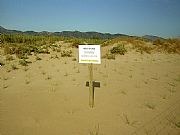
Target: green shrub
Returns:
[[119, 49]]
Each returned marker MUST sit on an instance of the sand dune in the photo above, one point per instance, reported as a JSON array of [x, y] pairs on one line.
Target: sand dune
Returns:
[[139, 95]]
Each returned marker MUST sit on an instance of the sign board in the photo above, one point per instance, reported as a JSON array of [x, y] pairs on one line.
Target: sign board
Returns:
[[89, 54]]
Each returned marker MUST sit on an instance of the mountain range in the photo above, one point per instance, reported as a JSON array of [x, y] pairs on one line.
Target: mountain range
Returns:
[[74, 34]]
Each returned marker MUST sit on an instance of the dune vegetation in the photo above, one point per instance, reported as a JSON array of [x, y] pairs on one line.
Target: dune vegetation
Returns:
[[43, 87]]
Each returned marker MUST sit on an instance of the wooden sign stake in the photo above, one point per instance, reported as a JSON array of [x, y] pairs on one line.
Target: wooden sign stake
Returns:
[[91, 87]]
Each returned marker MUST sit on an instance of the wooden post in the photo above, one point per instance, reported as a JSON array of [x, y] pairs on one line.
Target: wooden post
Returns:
[[91, 87]]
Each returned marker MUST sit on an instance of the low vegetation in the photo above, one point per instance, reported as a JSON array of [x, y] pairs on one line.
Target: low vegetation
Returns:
[[168, 46], [95, 131], [24, 62], [9, 57], [21, 45], [78, 41], [14, 67], [128, 121], [109, 56], [118, 49], [150, 106], [24, 45], [2, 63], [144, 46], [66, 53]]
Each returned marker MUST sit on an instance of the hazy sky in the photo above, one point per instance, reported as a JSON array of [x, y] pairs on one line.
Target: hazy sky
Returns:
[[133, 17]]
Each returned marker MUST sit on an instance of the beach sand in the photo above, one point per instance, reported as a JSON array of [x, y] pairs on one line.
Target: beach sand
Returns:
[[139, 94]]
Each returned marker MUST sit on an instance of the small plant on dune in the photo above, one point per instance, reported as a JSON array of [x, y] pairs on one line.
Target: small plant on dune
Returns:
[[48, 77], [54, 56], [66, 74], [78, 71], [65, 62], [9, 57], [155, 78], [172, 84], [23, 62], [5, 86], [177, 124], [26, 69], [105, 65], [55, 48], [43, 72], [178, 79], [27, 81], [123, 92], [58, 50], [74, 66], [164, 96], [74, 59], [173, 120], [14, 67], [106, 43], [109, 56], [118, 49], [38, 58], [73, 79], [5, 78], [2, 63], [8, 49], [94, 131], [146, 82], [127, 120], [53, 90], [150, 106], [66, 53], [171, 90], [8, 70], [22, 56]]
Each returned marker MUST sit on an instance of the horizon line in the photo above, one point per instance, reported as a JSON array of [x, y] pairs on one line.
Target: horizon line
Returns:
[[88, 31]]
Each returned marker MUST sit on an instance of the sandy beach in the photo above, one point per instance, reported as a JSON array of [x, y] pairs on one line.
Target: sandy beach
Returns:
[[139, 95]]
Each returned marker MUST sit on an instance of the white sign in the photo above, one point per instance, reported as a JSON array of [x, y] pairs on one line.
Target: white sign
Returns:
[[89, 54]]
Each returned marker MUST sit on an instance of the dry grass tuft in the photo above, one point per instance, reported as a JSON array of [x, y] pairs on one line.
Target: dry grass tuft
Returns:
[[94, 131]]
